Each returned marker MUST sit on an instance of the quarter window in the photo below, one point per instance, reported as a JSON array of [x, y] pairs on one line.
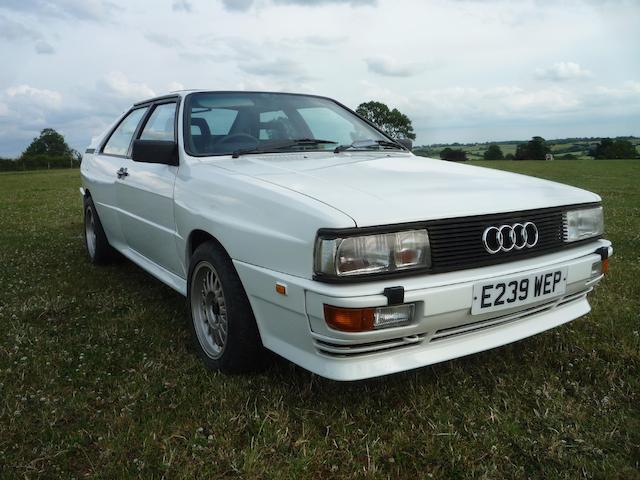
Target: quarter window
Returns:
[[161, 123], [118, 143]]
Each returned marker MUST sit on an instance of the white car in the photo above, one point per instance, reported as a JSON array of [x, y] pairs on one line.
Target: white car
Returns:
[[292, 224]]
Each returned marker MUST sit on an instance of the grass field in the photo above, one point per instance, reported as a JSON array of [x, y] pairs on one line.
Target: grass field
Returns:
[[97, 379]]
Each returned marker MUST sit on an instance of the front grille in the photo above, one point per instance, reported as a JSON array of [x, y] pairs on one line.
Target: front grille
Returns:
[[457, 243]]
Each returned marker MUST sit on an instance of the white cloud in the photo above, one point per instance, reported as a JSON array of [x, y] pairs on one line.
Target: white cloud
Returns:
[[278, 67], [465, 105], [181, 5], [24, 111], [35, 96], [238, 5], [96, 10], [244, 5], [175, 86], [273, 84], [627, 96], [507, 105], [370, 91], [13, 30], [44, 48], [391, 67], [117, 84], [163, 40], [563, 71]]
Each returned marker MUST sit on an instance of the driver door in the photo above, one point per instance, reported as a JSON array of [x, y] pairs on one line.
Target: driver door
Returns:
[[145, 195]]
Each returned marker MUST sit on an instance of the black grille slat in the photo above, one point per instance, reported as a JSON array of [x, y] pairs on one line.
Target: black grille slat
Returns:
[[457, 243], [479, 229], [542, 220], [491, 218], [478, 257]]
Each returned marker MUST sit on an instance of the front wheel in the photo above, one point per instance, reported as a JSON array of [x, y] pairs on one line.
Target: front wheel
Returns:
[[223, 327]]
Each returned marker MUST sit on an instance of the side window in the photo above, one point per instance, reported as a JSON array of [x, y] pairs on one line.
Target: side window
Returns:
[[118, 143], [161, 123]]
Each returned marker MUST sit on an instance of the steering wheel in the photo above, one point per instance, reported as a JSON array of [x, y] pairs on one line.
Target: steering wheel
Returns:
[[242, 138]]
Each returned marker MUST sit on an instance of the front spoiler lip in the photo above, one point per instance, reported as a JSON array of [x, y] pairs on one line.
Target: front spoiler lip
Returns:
[[349, 369], [285, 322], [426, 352]]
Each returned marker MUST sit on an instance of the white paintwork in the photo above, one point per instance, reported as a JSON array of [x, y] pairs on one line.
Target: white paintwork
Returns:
[[385, 188], [145, 209], [266, 210]]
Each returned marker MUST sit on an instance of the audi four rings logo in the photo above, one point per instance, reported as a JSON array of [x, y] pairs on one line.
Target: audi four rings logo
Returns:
[[508, 237]]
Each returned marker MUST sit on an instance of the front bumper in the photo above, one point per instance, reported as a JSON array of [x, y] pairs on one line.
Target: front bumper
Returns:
[[443, 327]]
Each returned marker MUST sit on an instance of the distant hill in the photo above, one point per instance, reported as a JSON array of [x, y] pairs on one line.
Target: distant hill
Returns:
[[577, 147]]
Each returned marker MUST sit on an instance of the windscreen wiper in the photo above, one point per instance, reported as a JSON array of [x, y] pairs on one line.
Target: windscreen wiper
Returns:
[[279, 145], [305, 142], [368, 144], [244, 151]]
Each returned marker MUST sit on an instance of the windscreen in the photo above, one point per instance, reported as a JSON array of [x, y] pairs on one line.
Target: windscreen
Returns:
[[229, 123]]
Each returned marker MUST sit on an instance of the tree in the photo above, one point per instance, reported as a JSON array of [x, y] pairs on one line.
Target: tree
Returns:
[[620, 148], [494, 152], [534, 149], [509, 156], [393, 122], [7, 164], [453, 155], [49, 144]]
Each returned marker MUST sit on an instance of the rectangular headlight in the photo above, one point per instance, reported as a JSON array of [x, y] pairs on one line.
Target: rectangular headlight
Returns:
[[372, 253], [583, 223]]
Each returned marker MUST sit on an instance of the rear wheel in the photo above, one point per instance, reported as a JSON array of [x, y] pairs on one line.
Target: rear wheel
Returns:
[[98, 248], [223, 327]]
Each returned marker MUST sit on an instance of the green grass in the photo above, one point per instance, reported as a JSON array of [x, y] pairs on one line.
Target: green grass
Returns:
[[97, 379]]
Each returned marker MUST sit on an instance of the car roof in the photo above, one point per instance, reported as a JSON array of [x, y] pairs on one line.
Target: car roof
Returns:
[[183, 93]]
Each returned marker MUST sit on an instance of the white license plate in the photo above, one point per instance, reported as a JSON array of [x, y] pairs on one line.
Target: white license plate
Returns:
[[503, 293]]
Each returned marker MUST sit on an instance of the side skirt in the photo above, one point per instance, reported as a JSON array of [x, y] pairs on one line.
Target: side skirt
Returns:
[[179, 284]]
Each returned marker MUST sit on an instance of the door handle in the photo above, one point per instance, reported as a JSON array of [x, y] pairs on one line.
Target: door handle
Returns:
[[122, 172]]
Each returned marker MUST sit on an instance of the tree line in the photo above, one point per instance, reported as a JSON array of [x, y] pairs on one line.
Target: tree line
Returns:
[[48, 150], [537, 149]]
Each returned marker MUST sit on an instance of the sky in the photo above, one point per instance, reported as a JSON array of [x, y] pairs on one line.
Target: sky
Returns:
[[462, 70]]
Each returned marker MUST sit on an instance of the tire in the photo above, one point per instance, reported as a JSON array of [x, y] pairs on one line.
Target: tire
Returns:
[[223, 327], [95, 240]]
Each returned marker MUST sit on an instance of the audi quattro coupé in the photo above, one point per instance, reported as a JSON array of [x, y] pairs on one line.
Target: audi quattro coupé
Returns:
[[292, 224]]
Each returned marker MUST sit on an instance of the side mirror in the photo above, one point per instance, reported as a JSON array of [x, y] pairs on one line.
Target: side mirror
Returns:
[[155, 151], [405, 142]]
